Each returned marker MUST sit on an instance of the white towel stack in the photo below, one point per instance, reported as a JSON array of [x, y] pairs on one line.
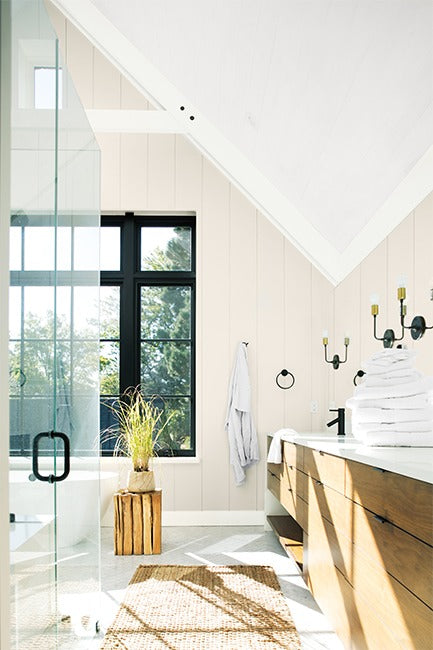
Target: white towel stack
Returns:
[[394, 404]]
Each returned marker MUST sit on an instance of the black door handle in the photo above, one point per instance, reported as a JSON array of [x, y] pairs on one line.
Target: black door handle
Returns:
[[51, 478]]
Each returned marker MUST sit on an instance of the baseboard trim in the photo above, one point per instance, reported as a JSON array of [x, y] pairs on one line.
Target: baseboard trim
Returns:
[[213, 518], [210, 518]]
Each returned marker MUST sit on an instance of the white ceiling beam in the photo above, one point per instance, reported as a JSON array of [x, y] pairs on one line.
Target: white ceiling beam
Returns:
[[132, 121]]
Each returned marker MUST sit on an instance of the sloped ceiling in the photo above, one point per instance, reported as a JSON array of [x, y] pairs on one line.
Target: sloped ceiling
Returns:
[[322, 111]]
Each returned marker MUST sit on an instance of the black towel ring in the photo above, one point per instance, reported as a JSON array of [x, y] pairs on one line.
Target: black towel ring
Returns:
[[360, 373], [284, 373]]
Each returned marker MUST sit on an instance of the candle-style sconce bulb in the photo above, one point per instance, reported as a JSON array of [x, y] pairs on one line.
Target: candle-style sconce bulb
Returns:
[[417, 327], [336, 361]]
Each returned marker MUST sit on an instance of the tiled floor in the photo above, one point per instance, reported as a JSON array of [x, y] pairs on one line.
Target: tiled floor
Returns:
[[181, 545], [221, 545]]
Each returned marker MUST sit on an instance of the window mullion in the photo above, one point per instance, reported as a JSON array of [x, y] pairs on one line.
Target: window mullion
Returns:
[[128, 310]]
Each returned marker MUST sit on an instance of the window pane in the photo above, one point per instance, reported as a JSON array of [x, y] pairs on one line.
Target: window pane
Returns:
[[110, 311], [165, 312], [166, 368], [110, 248], [45, 88], [15, 249], [39, 313], [108, 422], [86, 312], [86, 248], [177, 434], [109, 368], [37, 239], [165, 249]]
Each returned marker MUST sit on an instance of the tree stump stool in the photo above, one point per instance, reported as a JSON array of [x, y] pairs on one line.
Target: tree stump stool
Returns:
[[137, 523]]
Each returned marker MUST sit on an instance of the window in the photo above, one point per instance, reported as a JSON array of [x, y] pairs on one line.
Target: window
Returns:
[[45, 87], [148, 321]]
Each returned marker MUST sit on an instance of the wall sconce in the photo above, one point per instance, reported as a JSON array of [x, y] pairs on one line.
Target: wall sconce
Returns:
[[417, 327], [336, 361]]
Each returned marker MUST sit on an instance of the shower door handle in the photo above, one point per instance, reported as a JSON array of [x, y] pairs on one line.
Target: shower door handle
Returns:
[[51, 478]]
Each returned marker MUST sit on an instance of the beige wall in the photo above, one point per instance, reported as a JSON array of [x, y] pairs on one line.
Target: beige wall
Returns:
[[252, 285]]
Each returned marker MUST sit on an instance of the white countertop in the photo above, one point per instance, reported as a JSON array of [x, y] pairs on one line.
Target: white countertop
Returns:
[[414, 462]]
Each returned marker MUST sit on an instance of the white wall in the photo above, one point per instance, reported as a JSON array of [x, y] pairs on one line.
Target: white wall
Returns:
[[4, 329], [252, 285], [408, 250]]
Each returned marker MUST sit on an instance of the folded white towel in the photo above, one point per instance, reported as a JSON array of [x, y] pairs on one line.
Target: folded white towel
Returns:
[[391, 379], [408, 402], [399, 366], [397, 439], [426, 425], [389, 357], [391, 415], [275, 451], [402, 390]]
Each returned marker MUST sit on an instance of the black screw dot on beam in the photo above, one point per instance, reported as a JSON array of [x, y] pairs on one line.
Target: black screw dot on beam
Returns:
[[182, 108], [191, 117]]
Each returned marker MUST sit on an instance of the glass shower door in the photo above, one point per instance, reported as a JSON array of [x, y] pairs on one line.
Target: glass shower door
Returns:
[[54, 332]]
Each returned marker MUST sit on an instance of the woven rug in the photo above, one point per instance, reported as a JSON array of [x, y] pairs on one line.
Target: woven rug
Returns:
[[203, 607]]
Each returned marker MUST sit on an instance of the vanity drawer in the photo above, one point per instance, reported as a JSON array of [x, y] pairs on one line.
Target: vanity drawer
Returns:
[[331, 505], [405, 502], [406, 558], [325, 468], [295, 480], [410, 620], [274, 484], [293, 455], [275, 468]]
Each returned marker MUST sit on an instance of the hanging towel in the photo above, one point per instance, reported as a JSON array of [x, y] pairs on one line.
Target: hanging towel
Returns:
[[244, 449], [274, 453]]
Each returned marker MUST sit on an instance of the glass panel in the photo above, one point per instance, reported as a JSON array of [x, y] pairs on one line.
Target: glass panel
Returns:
[[54, 375], [37, 239], [166, 312], [109, 368], [86, 318], [86, 247], [177, 433], [110, 248], [108, 423], [15, 249], [110, 312], [45, 88], [166, 368], [165, 249]]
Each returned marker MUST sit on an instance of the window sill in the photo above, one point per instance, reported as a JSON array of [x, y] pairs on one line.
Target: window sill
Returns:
[[164, 460]]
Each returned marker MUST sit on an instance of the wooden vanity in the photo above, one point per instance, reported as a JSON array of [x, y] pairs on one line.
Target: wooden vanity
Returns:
[[360, 524]]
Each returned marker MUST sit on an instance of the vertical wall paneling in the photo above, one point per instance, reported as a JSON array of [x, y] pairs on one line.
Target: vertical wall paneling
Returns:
[[270, 335], [79, 60], [422, 305], [373, 280], [133, 171], [347, 308], [400, 262], [106, 82], [160, 172], [297, 337], [217, 357], [188, 186], [322, 317], [109, 144], [131, 98], [243, 315]]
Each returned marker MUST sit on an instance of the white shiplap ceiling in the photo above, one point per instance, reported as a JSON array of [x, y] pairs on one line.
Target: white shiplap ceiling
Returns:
[[320, 110]]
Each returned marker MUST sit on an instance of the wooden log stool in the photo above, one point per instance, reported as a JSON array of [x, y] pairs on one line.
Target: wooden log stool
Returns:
[[137, 523]]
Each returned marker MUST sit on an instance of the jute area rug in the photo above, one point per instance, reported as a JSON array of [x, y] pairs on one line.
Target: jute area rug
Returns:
[[203, 607]]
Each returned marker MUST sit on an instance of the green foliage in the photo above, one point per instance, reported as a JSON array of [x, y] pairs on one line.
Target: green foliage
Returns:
[[140, 424]]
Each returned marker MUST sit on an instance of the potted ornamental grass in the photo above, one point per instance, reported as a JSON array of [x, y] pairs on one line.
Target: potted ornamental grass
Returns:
[[137, 432]]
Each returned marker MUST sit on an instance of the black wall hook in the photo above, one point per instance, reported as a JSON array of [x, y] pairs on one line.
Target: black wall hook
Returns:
[[284, 373]]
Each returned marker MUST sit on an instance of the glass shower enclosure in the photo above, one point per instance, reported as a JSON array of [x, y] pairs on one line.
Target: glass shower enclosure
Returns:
[[53, 345]]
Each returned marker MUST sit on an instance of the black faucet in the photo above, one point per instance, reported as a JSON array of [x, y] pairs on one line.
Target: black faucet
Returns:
[[340, 420]]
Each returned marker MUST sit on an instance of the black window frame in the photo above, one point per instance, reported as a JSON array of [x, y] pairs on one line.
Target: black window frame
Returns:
[[130, 278]]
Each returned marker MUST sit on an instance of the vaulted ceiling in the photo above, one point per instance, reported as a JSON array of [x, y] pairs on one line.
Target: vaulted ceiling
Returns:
[[321, 111]]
